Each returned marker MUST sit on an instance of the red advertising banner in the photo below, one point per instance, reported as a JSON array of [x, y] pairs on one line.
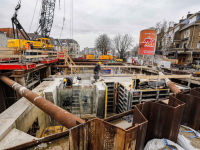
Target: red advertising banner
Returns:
[[147, 42]]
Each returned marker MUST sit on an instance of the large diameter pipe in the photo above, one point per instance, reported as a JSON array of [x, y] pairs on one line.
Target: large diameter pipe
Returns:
[[171, 85], [62, 116]]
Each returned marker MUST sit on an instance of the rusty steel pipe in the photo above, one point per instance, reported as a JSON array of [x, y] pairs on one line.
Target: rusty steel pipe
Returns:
[[171, 85], [62, 116]]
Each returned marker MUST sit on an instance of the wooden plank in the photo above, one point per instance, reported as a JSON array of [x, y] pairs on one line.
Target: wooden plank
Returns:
[[103, 66], [36, 56], [7, 52], [41, 51], [121, 75], [162, 77], [10, 56], [11, 49]]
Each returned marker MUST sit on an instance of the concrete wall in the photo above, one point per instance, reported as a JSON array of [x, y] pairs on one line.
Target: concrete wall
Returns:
[[100, 99], [51, 92], [23, 113], [3, 40]]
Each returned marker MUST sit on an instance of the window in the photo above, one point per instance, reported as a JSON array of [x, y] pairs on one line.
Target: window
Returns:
[[198, 44], [193, 19], [177, 45], [187, 33]]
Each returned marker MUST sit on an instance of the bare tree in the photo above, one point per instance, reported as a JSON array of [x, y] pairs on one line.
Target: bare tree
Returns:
[[135, 50], [122, 43], [103, 43], [162, 28]]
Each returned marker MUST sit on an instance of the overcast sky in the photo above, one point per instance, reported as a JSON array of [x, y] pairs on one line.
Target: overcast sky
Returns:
[[95, 17]]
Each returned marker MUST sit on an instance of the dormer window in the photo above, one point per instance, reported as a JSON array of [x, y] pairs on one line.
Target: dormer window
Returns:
[[193, 19]]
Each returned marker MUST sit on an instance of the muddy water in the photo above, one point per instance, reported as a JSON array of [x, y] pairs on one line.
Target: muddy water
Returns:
[[121, 123], [62, 144]]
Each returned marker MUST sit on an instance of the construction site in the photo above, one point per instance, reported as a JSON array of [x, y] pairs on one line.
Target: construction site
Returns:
[[50, 99]]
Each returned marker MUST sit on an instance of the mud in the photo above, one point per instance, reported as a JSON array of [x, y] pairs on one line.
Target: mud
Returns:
[[167, 148], [61, 144], [195, 142], [122, 123]]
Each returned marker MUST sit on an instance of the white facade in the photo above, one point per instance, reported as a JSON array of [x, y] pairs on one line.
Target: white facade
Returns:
[[70, 46]]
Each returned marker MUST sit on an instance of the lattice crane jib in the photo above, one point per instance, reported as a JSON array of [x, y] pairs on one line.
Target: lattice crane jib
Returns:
[[47, 16]]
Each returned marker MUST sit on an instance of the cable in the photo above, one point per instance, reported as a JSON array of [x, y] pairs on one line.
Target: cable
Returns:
[[72, 20], [39, 18], [33, 16], [63, 21], [59, 4]]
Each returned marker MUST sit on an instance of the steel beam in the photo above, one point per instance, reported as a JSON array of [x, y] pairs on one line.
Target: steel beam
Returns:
[[62, 116]]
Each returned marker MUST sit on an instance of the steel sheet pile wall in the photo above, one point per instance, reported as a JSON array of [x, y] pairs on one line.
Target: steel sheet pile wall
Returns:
[[163, 120], [191, 115], [100, 134]]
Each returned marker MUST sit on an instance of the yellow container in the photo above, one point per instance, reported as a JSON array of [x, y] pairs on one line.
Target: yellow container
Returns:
[[89, 56], [104, 57], [111, 57], [119, 60]]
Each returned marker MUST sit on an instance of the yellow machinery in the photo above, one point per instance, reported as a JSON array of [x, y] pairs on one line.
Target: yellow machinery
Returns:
[[88, 56], [106, 57], [52, 130], [118, 60], [41, 43]]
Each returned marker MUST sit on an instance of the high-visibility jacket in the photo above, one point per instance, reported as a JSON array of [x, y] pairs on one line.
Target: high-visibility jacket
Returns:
[[28, 46]]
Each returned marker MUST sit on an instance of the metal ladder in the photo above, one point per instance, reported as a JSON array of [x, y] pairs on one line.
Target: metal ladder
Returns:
[[76, 110]]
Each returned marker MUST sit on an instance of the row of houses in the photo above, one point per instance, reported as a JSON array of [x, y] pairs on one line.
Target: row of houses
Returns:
[[183, 40], [69, 45], [94, 51]]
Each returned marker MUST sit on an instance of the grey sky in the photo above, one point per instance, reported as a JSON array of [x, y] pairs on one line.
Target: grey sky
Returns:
[[94, 17]]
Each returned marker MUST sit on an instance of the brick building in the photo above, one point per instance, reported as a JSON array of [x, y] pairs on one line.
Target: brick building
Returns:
[[184, 39], [9, 32]]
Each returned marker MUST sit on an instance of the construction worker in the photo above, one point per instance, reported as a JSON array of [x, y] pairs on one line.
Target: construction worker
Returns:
[[43, 44], [28, 45], [68, 82], [31, 45], [97, 68]]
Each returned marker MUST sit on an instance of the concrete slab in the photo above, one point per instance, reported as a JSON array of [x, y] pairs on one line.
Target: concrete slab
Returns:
[[51, 92], [15, 137], [16, 113]]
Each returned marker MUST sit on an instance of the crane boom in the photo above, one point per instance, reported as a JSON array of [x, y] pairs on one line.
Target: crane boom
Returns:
[[46, 20]]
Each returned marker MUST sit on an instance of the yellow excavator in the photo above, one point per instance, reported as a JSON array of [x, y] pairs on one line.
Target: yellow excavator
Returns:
[[52, 130], [45, 25]]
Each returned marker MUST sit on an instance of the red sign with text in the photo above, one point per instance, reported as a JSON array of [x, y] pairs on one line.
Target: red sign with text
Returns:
[[147, 42]]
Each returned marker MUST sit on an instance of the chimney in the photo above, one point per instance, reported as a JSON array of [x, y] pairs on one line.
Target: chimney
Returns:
[[188, 15], [170, 28], [175, 24], [181, 20]]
